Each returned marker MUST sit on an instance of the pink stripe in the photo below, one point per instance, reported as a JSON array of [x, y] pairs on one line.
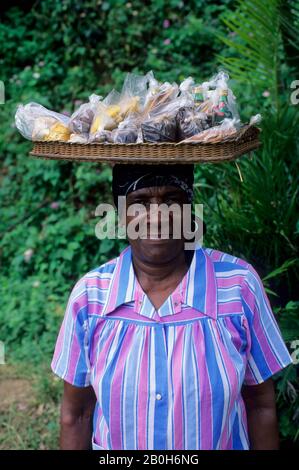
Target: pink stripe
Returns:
[[143, 394], [114, 288], [216, 255], [73, 362], [211, 291], [95, 309], [176, 369], [98, 283], [58, 347], [226, 282], [243, 263], [115, 283], [205, 394], [230, 307], [233, 382]]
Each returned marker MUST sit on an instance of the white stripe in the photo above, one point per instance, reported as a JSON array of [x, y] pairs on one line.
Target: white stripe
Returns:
[[130, 286], [233, 272], [190, 280], [152, 393]]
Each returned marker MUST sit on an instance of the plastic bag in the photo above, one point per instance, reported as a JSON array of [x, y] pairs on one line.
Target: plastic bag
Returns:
[[125, 136], [190, 121], [105, 113], [226, 130], [102, 136], [186, 90], [134, 92], [35, 122], [113, 110], [82, 118], [161, 125], [106, 116], [127, 131], [79, 138], [219, 101], [158, 95], [160, 129]]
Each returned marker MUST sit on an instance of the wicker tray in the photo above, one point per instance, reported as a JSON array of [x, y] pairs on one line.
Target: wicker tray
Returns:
[[244, 141]]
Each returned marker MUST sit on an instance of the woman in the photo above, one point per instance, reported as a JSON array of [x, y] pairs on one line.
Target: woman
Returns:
[[168, 348]]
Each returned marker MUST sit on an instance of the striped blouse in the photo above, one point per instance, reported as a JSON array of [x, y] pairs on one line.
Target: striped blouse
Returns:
[[170, 378]]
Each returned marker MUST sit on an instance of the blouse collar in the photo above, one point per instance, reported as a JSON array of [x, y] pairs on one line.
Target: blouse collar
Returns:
[[197, 289]]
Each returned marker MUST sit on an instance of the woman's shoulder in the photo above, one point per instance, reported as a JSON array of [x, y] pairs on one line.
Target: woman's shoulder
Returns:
[[218, 256], [223, 258], [229, 266], [102, 274]]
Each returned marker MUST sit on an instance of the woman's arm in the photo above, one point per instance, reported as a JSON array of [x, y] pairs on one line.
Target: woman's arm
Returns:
[[76, 417], [261, 416]]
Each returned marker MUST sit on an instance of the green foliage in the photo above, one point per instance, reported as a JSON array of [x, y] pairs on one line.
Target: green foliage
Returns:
[[260, 32]]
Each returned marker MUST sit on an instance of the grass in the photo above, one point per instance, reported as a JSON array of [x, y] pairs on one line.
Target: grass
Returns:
[[29, 408]]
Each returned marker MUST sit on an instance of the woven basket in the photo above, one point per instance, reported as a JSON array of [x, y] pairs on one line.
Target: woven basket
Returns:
[[244, 141]]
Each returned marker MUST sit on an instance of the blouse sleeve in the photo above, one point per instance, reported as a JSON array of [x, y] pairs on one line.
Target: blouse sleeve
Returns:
[[267, 351], [71, 357]]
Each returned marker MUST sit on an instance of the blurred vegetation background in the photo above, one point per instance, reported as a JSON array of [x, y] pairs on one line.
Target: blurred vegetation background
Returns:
[[57, 53]]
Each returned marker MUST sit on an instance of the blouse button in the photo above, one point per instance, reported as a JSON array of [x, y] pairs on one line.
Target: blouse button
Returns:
[[158, 396]]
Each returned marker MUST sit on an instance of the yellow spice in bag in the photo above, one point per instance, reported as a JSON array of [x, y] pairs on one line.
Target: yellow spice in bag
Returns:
[[58, 132]]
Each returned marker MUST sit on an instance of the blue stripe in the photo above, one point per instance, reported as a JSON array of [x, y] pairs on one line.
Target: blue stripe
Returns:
[[224, 266], [160, 423], [236, 440], [124, 276], [200, 282], [216, 385]]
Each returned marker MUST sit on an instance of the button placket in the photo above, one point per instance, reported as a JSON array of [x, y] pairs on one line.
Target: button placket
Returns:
[[138, 298], [177, 302]]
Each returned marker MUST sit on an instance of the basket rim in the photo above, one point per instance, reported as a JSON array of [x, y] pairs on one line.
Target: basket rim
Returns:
[[244, 141]]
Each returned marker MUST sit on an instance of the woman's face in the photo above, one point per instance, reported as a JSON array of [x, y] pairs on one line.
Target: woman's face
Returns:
[[156, 234]]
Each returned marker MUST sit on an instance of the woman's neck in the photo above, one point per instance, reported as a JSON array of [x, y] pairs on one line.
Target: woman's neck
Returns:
[[158, 276]]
